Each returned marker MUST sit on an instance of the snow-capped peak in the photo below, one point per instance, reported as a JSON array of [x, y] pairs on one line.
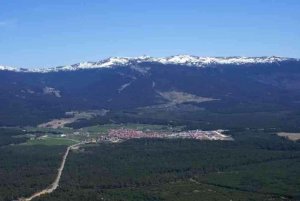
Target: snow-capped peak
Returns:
[[203, 61], [187, 60], [7, 68]]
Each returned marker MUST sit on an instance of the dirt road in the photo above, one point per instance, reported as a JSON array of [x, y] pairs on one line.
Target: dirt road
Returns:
[[55, 183]]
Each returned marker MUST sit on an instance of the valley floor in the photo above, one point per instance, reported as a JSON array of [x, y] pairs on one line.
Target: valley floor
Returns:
[[256, 165]]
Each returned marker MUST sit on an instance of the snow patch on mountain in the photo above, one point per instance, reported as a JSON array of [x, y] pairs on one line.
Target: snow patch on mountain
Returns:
[[153, 84], [203, 61], [8, 68], [124, 86], [52, 91], [187, 60]]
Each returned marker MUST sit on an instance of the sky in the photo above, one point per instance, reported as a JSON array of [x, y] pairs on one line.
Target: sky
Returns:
[[40, 33]]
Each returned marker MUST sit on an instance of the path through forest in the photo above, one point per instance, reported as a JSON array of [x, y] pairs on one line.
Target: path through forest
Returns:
[[55, 183]]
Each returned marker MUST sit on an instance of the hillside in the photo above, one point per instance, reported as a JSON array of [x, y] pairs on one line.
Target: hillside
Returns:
[[218, 86]]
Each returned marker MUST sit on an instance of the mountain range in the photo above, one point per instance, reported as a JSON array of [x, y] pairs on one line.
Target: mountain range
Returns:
[[187, 60], [211, 86]]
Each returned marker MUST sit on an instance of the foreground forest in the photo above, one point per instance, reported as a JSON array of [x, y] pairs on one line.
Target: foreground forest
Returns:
[[257, 165]]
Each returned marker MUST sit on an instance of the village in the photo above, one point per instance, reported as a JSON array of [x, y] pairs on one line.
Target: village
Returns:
[[117, 134], [122, 134]]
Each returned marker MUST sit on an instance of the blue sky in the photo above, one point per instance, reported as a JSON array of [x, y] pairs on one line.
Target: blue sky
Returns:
[[37, 33]]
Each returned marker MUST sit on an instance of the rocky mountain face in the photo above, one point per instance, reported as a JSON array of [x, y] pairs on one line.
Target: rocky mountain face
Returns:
[[215, 84]]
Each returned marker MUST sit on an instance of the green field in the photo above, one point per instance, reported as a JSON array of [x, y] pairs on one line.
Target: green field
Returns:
[[51, 141]]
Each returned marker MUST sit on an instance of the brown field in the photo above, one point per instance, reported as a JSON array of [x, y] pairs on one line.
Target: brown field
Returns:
[[290, 136]]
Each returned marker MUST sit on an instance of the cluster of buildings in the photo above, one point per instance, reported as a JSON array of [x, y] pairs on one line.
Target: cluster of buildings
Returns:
[[130, 134], [118, 135], [201, 135]]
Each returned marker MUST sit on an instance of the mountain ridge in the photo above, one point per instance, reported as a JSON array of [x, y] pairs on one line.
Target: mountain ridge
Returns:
[[187, 60], [240, 86]]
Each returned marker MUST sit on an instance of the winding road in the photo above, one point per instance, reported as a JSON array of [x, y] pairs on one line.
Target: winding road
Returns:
[[55, 183]]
